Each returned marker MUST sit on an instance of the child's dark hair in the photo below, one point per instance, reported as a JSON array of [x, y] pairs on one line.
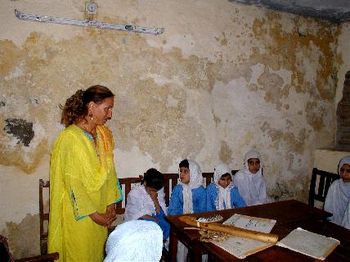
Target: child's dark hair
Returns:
[[154, 179], [184, 163], [226, 175]]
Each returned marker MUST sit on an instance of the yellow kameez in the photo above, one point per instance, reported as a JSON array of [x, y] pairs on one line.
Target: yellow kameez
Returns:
[[82, 181]]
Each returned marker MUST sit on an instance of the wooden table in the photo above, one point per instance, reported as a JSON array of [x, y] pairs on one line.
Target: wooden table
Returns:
[[289, 214]]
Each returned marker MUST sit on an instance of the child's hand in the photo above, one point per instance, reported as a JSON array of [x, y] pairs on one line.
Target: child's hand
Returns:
[[154, 196]]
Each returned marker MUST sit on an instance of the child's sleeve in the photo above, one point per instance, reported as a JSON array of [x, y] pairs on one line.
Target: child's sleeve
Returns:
[[262, 194], [199, 198], [346, 218], [161, 200], [133, 209], [211, 197], [176, 202], [236, 199]]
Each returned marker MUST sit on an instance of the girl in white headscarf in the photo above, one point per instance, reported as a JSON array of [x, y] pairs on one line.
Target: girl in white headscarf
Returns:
[[188, 197], [136, 240], [338, 196], [250, 181], [223, 194]]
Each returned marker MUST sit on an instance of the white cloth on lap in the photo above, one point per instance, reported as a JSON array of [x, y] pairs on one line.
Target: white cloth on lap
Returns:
[[136, 240]]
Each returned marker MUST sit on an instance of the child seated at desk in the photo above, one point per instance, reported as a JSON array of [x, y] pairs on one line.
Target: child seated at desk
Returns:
[[188, 196], [222, 193], [338, 196], [146, 201], [250, 181]]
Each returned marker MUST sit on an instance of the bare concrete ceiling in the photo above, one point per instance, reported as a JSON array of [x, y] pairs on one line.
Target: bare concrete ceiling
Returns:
[[336, 11]]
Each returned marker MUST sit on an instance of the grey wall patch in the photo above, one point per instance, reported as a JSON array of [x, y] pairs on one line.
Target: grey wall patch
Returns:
[[21, 129]]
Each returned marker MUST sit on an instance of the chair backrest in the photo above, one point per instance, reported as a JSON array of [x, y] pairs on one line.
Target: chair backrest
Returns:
[[319, 185], [44, 209], [5, 253]]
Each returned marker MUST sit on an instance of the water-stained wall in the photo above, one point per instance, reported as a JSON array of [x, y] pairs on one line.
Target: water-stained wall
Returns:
[[222, 79]]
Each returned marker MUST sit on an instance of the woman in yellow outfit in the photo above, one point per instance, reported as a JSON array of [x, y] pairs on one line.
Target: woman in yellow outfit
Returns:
[[83, 182]]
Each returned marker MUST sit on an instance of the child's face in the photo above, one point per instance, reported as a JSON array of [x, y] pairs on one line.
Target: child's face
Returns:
[[254, 165], [225, 180], [185, 175], [345, 172]]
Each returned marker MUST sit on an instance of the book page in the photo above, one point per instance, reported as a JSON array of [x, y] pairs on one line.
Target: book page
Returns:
[[252, 223], [242, 247], [309, 243]]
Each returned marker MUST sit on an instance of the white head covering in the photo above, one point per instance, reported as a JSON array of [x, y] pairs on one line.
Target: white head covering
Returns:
[[252, 187], [344, 160], [224, 197], [136, 240], [196, 180], [252, 154]]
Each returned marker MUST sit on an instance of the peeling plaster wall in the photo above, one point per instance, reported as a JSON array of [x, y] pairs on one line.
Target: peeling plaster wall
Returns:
[[343, 51], [222, 79]]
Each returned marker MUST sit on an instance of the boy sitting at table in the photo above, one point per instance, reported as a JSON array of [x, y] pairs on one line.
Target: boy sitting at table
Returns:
[[338, 196], [222, 193], [188, 196], [146, 201], [250, 181]]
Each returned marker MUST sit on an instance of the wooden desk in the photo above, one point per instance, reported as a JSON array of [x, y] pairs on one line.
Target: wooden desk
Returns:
[[289, 214]]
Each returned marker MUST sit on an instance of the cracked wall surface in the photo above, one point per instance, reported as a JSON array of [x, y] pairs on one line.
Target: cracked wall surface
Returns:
[[222, 79]]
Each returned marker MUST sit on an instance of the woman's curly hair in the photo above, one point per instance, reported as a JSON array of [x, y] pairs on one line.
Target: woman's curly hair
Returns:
[[76, 106]]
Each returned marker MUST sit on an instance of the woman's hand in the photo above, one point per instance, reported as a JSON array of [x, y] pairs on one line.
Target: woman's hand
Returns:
[[148, 217], [101, 219], [111, 211]]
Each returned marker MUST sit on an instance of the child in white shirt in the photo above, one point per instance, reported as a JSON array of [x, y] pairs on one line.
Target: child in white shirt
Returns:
[[338, 196], [250, 181]]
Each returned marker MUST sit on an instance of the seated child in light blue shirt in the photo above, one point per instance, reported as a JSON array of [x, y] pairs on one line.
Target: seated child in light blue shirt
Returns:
[[188, 197], [222, 193]]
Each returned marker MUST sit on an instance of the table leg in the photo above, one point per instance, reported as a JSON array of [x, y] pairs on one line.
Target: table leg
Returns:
[[195, 253], [172, 246]]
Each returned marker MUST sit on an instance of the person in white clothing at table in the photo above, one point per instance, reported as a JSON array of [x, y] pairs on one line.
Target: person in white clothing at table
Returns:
[[338, 196], [147, 202], [250, 181]]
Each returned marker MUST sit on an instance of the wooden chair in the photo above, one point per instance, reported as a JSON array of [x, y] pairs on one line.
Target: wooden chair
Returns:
[[44, 196], [319, 185], [6, 255]]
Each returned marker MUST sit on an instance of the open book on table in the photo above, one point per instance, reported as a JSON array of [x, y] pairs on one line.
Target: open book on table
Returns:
[[243, 247], [309, 243]]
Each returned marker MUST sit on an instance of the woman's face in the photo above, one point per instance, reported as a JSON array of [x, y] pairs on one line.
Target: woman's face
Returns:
[[345, 172], [102, 112]]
